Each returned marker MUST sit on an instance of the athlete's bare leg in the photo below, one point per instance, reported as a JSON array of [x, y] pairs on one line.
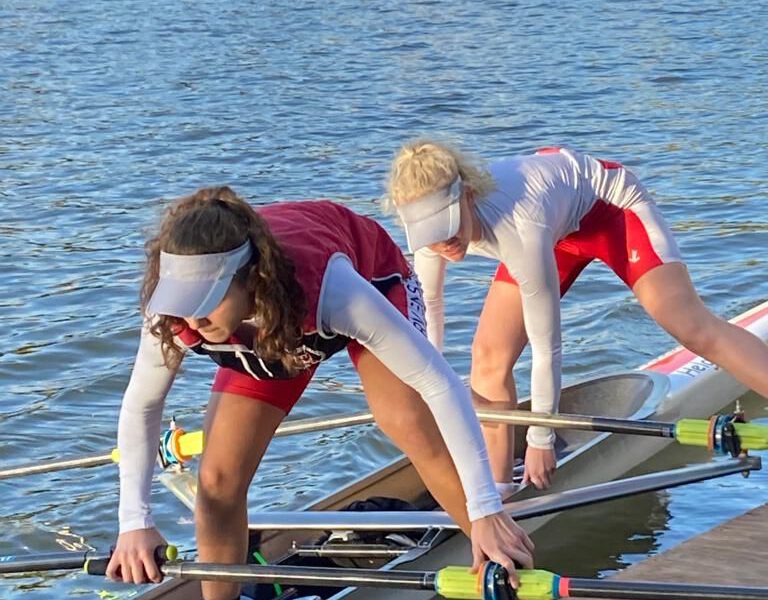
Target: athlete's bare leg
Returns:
[[499, 341], [668, 296], [237, 433], [402, 414]]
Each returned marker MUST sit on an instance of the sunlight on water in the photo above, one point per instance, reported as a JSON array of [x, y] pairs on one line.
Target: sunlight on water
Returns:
[[110, 107]]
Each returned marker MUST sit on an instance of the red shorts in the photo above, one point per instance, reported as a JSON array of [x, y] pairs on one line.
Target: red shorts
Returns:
[[406, 296], [631, 241]]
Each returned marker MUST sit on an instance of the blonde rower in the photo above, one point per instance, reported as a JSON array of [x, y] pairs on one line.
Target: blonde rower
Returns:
[[544, 217]]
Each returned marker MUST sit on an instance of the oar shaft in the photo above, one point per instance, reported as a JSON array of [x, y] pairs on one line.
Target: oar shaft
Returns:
[[289, 575], [582, 422], [93, 563], [190, 444], [311, 424], [53, 561], [640, 590], [510, 417], [48, 466], [457, 582]]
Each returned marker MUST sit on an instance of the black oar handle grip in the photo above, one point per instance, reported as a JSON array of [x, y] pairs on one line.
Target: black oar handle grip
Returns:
[[98, 565]]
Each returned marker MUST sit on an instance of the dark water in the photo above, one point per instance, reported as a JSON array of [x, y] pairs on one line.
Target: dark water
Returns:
[[106, 108], [600, 539]]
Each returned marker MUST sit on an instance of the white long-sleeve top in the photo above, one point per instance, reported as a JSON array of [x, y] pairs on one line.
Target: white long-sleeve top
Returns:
[[539, 199], [349, 306]]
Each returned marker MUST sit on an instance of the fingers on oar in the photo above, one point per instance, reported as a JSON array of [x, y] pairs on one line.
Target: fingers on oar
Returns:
[[478, 558], [151, 568], [137, 572], [128, 568], [514, 579], [528, 543], [511, 559], [510, 565], [113, 569]]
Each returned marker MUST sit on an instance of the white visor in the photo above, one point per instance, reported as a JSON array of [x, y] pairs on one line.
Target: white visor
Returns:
[[433, 218], [192, 285]]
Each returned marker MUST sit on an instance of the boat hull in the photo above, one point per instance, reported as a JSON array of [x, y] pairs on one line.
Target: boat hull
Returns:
[[675, 385]]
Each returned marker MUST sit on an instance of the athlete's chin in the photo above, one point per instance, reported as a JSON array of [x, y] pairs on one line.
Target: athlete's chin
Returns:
[[455, 256], [217, 336]]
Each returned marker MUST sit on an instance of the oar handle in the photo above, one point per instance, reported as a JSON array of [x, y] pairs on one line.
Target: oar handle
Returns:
[[98, 565], [491, 582], [722, 434]]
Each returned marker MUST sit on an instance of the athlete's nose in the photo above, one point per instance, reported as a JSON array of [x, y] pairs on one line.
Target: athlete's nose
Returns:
[[196, 323], [450, 244]]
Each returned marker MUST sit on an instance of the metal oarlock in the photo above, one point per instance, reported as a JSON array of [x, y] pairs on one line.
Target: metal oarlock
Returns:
[[491, 582], [723, 438], [496, 584]]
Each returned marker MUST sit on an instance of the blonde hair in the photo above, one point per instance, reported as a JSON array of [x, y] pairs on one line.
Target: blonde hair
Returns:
[[423, 166]]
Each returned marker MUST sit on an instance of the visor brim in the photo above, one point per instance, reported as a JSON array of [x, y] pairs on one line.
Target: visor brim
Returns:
[[438, 227], [190, 299]]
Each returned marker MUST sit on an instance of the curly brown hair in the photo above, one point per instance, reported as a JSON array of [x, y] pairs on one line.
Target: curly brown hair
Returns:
[[216, 219]]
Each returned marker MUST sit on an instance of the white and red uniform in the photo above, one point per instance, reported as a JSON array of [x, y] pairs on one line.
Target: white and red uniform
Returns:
[[550, 215], [358, 289], [342, 234]]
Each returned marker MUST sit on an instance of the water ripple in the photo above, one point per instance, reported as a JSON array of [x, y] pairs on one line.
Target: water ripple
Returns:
[[109, 109]]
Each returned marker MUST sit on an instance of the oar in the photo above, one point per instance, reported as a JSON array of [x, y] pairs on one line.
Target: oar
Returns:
[[697, 432], [89, 560], [720, 434], [177, 446], [528, 508], [457, 583]]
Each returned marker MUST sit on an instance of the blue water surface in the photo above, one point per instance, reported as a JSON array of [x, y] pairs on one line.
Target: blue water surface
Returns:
[[109, 108]]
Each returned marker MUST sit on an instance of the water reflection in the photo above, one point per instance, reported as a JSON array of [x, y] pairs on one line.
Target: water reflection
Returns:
[[603, 538]]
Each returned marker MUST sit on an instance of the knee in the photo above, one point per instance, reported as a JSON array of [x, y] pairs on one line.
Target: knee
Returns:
[[491, 365], [399, 425], [486, 360], [697, 333], [418, 444], [412, 432], [219, 489]]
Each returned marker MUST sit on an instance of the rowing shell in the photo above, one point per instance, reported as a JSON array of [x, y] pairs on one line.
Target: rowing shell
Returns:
[[676, 385]]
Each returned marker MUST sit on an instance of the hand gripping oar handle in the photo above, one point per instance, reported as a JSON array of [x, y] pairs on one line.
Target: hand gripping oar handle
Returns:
[[457, 583], [98, 565]]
